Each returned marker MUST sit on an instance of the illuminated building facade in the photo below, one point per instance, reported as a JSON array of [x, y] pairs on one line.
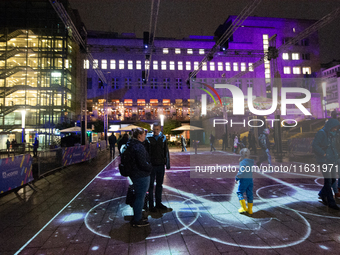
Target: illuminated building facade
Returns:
[[331, 79], [122, 58], [38, 70]]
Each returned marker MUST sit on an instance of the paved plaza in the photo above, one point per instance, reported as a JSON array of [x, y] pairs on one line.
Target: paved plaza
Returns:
[[82, 211]]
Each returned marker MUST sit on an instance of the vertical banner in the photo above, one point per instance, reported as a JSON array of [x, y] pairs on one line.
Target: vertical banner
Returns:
[[15, 172]]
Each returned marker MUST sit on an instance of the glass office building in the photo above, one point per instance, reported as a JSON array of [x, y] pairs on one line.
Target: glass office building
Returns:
[[38, 71]]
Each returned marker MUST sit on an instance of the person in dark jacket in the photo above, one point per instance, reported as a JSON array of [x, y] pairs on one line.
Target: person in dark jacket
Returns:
[[265, 146], [112, 142], [324, 147], [122, 141], [140, 176], [157, 147]]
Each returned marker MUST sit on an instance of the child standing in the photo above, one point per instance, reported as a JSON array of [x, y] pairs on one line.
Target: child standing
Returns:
[[245, 179]]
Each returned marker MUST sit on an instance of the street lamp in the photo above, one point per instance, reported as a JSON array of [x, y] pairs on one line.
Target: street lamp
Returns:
[[23, 115], [162, 121], [324, 85]]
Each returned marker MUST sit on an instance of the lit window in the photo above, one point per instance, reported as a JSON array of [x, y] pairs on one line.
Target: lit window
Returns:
[[66, 63], [265, 42], [220, 66], [104, 64], [95, 63], [172, 65], [295, 56], [189, 51], [196, 65], [165, 50], [180, 65], [251, 67], [296, 70], [235, 67], [155, 65], [204, 66], [138, 65], [286, 70], [212, 66], [227, 66], [188, 65], [306, 70], [147, 64], [285, 56], [130, 64], [121, 64], [112, 64], [177, 51], [201, 51], [86, 64], [243, 67], [163, 64]]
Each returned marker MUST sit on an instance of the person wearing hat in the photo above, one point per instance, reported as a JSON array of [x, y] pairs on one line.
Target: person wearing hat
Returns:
[[244, 178]]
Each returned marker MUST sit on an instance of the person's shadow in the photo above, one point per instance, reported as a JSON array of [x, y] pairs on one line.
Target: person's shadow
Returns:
[[129, 234]]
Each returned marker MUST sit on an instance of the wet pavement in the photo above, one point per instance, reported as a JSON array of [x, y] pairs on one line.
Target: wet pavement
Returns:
[[82, 211]]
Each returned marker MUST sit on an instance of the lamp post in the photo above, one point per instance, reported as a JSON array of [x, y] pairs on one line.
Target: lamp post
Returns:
[[324, 85], [23, 115], [162, 121]]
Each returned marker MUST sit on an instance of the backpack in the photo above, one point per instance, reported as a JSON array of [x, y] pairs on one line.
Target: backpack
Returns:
[[126, 160]]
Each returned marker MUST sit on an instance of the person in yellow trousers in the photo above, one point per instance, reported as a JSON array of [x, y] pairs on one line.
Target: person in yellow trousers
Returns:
[[244, 178]]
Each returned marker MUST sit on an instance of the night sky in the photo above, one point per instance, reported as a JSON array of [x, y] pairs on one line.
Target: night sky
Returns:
[[181, 18]]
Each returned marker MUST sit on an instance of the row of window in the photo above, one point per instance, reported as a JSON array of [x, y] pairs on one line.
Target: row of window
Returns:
[[189, 51], [163, 65], [296, 56], [296, 70]]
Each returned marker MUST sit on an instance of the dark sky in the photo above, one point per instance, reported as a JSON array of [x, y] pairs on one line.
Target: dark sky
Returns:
[[181, 18]]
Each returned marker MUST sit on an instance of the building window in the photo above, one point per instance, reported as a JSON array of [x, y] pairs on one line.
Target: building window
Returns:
[[249, 83], [180, 65], [138, 65], [196, 65], [154, 102], [86, 64], [189, 51], [89, 83], [305, 56], [165, 50], [163, 64], [178, 83], [285, 56], [220, 66], [306, 70], [104, 64], [204, 66], [227, 66], [155, 65], [305, 42], [121, 64], [172, 65], [100, 84], [177, 51], [188, 65], [166, 102], [166, 83], [201, 51], [235, 66], [128, 84], [128, 102], [286, 69], [112, 64], [114, 83], [130, 64], [295, 56], [251, 67], [296, 70], [153, 83], [212, 66], [95, 63], [238, 83], [147, 64], [140, 102], [243, 67], [140, 83]]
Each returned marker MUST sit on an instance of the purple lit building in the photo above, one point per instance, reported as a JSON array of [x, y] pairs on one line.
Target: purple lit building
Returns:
[[122, 58]]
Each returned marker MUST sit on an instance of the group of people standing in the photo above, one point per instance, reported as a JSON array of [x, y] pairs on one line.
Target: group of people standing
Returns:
[[151, 154]]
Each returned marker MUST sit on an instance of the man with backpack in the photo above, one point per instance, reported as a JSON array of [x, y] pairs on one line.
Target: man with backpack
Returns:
[[157, 147], [324, 147], [265, 146]]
